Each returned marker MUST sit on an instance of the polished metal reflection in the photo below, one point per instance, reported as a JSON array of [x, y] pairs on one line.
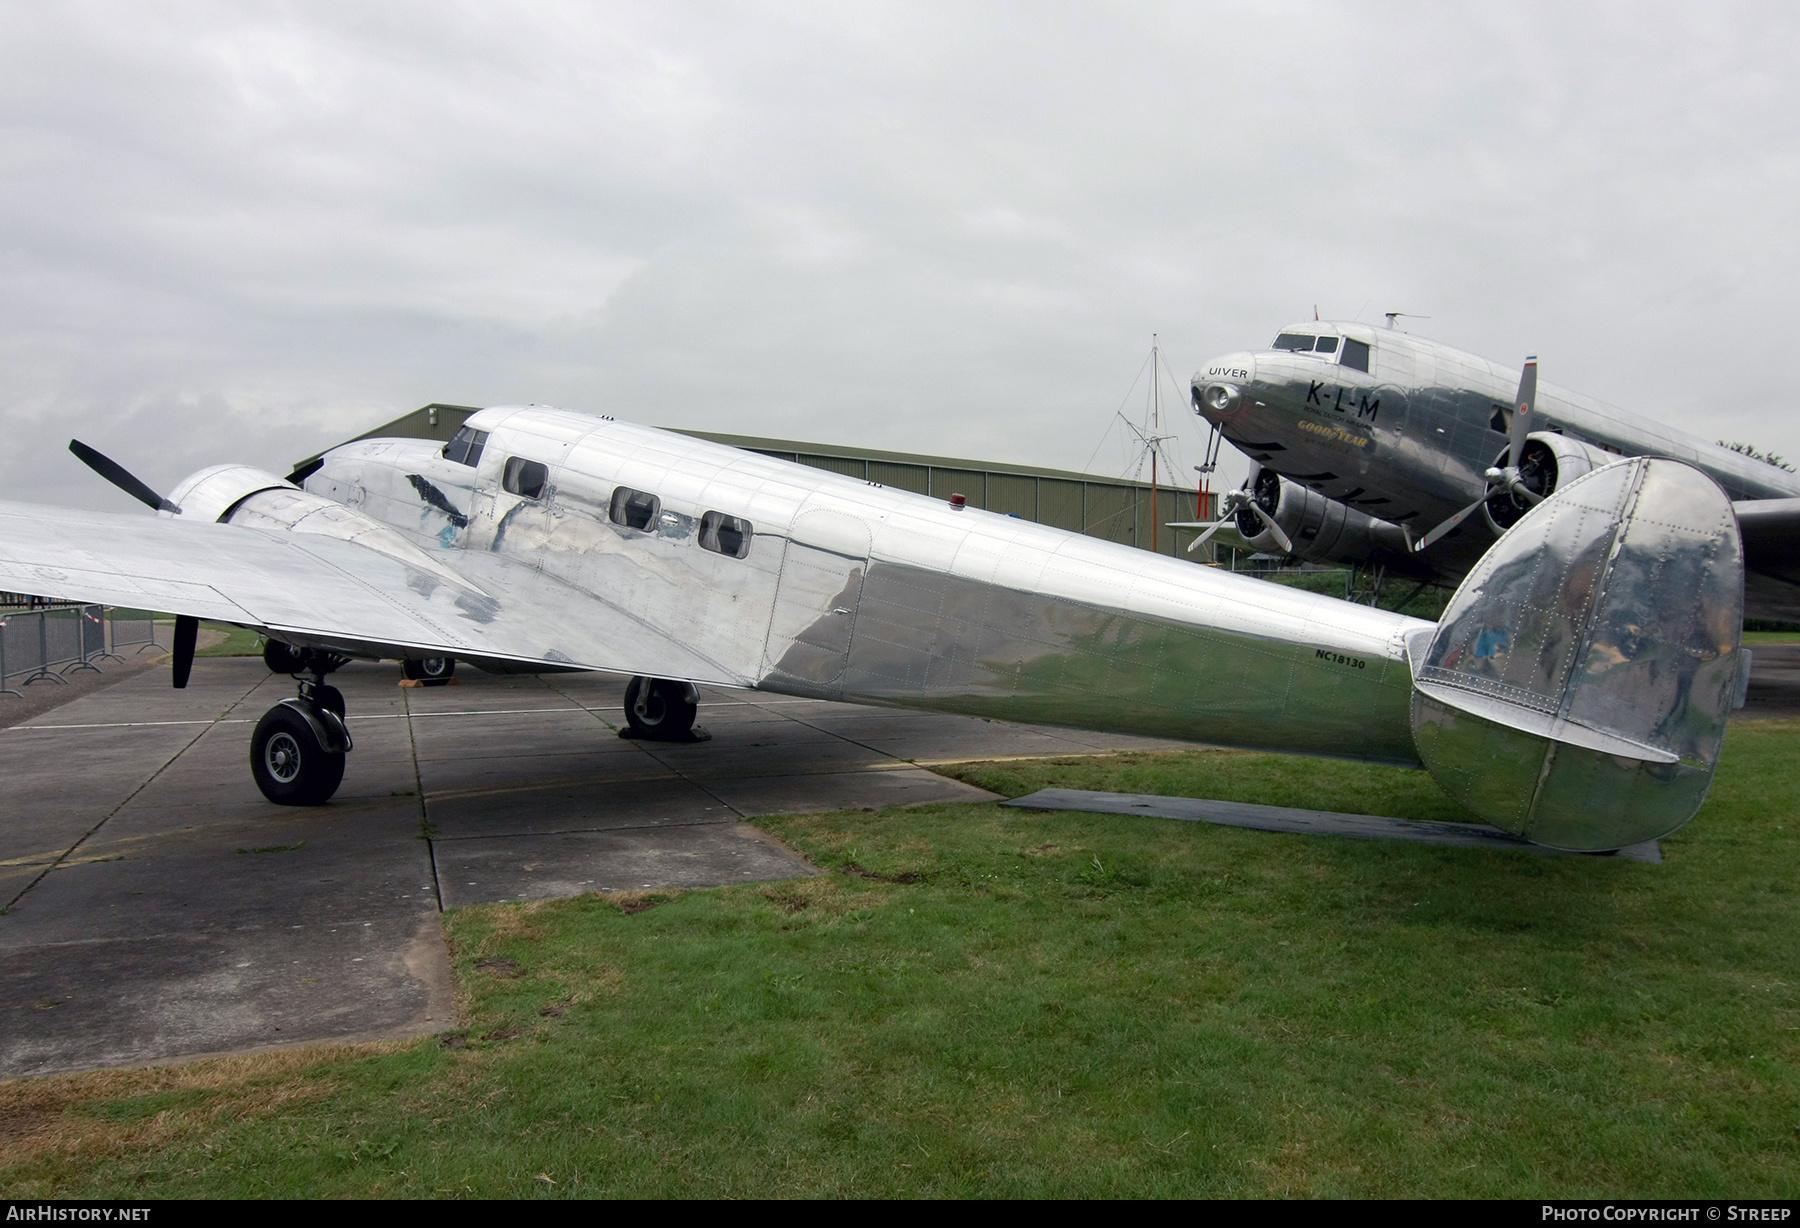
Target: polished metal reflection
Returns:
[[1408, 442], [863, 593], [1577, 689], [1574, 692]]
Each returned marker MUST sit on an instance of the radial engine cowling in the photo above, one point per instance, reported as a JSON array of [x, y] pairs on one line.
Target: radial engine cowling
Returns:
[[1550, 460], [1322, 529], [213, 492]]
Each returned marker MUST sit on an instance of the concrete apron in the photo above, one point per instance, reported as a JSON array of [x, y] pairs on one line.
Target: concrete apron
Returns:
[[158, 908]]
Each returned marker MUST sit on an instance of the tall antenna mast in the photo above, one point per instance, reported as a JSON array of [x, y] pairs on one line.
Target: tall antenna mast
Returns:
[[1155, 424]]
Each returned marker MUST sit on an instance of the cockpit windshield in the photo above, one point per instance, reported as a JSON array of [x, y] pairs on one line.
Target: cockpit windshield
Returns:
[[1302, 343]]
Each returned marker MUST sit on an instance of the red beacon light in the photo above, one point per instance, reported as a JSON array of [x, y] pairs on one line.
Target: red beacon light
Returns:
[[958, 502]]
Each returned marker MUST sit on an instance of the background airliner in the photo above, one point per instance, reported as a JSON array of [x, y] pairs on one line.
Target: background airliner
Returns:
[[1367, 442]]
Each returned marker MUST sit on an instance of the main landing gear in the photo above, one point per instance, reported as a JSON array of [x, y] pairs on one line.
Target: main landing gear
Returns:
[[659, 710], [297, 752], [432, 671]]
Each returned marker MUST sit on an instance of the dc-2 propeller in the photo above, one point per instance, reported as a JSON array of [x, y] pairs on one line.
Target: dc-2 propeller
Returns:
[[1234, 502], [1506, 479]]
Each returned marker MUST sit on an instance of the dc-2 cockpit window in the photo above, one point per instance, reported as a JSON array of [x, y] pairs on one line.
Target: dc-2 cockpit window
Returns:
[[634, 509], [1356, 354], [1293, 341], [1326, 345], [525, 477], [724, 534], [465, 446]]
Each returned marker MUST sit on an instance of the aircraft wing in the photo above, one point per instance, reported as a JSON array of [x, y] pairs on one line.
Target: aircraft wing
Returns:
[[326, 592]]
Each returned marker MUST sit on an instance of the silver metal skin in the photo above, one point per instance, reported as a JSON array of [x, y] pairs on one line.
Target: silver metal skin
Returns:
[[1577, 688], [1409, 443], [579, 542], [858, 592]]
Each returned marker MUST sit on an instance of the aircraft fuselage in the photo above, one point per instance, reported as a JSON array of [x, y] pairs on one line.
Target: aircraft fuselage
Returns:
[[842, 589], [1404, 429]]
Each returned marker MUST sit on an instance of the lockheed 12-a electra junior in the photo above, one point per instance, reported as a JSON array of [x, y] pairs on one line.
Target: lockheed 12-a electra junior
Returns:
[[1576, 691], [1398, 455]]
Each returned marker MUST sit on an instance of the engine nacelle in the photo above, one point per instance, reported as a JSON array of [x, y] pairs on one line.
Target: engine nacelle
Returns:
[[213, 492], [1322, 530], [1550, 460], [289, 509]]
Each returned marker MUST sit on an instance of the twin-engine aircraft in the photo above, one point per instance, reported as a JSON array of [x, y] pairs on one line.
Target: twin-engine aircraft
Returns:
[[1374, 447], [1575, 693]]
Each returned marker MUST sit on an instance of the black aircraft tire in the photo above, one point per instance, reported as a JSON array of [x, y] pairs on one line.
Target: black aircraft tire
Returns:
[[328, 696], [282, 658], [431, 669], [669, 708], [289, 765]]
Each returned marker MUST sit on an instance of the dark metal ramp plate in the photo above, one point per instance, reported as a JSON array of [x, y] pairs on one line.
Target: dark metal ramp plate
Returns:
[[1306, 822]]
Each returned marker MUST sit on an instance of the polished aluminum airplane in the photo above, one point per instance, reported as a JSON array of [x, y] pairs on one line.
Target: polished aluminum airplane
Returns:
[[1575, 705], [1375, 447]]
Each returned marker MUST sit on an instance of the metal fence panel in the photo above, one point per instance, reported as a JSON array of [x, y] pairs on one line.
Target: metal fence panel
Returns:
[[62, 640], [134, 631], [93, 632], [21, 648]]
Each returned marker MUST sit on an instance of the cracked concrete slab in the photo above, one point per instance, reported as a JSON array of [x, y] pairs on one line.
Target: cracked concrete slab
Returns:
[[158, 908]]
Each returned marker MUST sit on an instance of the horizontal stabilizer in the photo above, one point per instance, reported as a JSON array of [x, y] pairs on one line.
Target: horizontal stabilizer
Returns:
[[1544, 724]]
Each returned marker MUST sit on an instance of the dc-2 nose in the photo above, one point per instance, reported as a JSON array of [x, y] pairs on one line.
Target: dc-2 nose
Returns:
[[1219, 386]]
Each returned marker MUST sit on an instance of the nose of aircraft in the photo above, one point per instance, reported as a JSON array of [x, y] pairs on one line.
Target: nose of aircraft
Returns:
[[1218, 386]]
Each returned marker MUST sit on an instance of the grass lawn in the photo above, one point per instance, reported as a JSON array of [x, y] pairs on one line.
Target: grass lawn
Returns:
[[1399, 595], [239, 642], [976, 1001]]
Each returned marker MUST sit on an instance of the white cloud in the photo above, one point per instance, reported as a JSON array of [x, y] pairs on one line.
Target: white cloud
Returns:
[[242, 232]]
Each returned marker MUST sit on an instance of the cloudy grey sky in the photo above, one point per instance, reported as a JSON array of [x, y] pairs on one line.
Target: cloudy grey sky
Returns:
[[245, 231]]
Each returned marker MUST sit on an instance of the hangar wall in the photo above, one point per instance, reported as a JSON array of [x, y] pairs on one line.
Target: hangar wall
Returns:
[[1113, 509]]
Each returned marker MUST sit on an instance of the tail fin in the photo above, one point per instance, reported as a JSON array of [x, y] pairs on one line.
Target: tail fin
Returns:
[[1577, 689]]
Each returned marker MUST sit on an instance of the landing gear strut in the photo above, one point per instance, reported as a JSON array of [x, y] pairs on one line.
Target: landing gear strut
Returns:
[[659, 710], [297, 752]]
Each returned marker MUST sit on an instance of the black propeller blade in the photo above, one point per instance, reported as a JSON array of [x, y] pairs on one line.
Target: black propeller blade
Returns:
[[187, 629], [116, 473]]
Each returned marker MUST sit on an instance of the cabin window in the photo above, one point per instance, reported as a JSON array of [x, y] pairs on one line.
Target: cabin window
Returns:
[[1293, 341], [724, 534], [1356, 354], [465, 446], [1327, 345], [634, 509], [525, 477]]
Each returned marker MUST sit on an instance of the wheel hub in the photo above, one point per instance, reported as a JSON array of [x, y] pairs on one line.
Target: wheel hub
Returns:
[[281, 756]]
